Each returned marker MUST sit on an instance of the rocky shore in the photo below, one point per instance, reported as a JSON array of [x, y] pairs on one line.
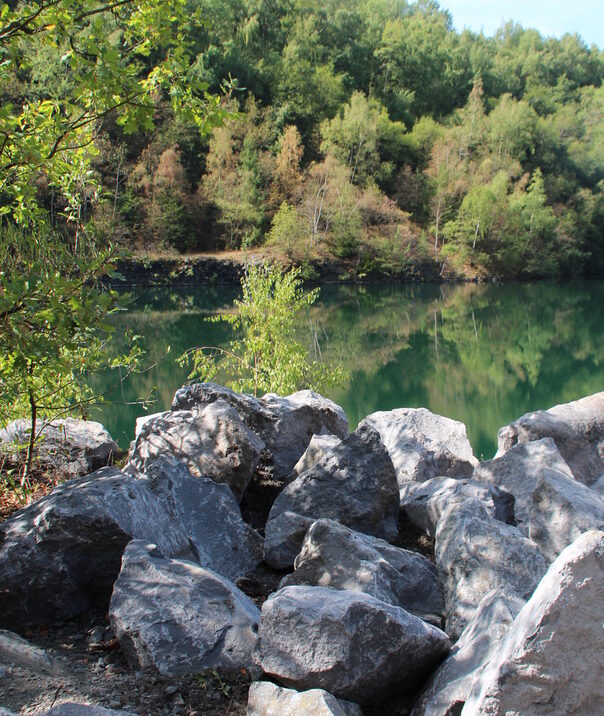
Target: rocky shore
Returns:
[[217, 271], [253, 556]]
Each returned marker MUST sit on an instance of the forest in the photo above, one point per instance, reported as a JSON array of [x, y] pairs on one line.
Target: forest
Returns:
[[366, 130]]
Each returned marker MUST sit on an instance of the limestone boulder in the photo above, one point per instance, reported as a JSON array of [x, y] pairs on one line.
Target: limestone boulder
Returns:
[[71, 708], [352, 645], [318, 447], [268, 699], [175, 617], [598, 487], [335, 556], [285, 424], [209, 515], [552, 659], [212, 442], [577, 428], [425, 504], [72, 447], [354, 484], [423, 445], [449, 688], [475, 554], [16, 651], [550, 506], [61, 555]]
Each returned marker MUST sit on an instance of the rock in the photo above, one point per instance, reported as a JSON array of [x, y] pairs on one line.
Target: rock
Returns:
[[61, 555], [452, 683], [176, 617], [425, 504], [318, 447], [283, 538], [353, 484], [209, 515], [598, 487], [212, 442], [267, 699], [552, 660], [352, 645], [70, 708], [475, 554], [72, 447], [285, 424], [423, 445], [577, 428], [16, 651], [551, 507], [334, 556]]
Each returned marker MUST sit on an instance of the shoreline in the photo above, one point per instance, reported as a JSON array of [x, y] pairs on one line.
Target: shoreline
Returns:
[[215, 270]]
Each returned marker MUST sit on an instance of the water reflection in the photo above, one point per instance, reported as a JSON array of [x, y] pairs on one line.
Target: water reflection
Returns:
[[480, 354]]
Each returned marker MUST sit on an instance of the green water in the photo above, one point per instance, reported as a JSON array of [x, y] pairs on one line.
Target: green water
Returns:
[[480, 354]]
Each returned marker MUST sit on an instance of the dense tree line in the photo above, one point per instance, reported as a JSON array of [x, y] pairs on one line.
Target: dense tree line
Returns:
[[369, 130]]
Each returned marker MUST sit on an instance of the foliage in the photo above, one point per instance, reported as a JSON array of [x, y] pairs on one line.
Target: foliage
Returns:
[[267, 355], [54, 327], [122, 66], [125, 61], [330, 99]]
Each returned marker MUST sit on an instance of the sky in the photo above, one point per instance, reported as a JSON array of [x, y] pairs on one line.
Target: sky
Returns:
[[550, 17]]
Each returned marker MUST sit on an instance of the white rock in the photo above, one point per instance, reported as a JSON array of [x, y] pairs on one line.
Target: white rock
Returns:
[[425, 504], [334, 556], [267, 699], [551, 507], [212, 442], [73, 447], [285, 424], [474, 554], [318, 447], [552, 660], [577, 428], [452, 683], [423, 445]]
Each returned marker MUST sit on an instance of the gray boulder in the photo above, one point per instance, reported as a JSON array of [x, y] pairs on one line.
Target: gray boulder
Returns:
[[61, 555], [70, 708], [209, 515], [175, 617], [425, 504], [598, 487], [476, 554], [334, 556], [268, 699], [352, 645], [577, 428], [423, 445], [318, 447], [353, 484], [285, 424], [448, 689], [72, 447], [551, 507], [212, 442], [16, 651], [552, 659]]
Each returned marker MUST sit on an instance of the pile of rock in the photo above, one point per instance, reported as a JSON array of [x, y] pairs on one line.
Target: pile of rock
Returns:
[[506, 618]]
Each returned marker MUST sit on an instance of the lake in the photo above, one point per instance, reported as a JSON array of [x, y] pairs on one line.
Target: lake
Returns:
[[482, 354]]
